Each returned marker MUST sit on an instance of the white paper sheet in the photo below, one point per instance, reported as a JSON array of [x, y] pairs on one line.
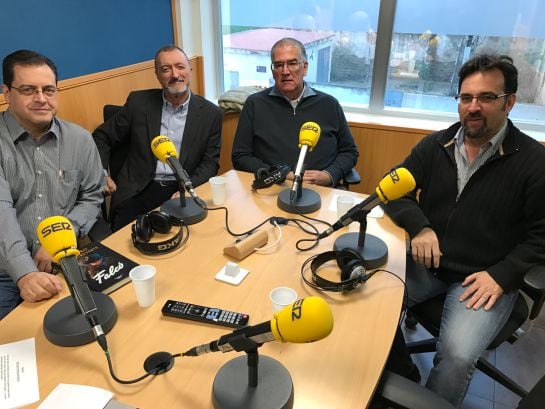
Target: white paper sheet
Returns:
[[18, 374], [377, 212], [68, 396]]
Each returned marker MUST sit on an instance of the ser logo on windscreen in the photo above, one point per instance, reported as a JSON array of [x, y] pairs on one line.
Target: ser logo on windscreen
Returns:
[[55, 227]]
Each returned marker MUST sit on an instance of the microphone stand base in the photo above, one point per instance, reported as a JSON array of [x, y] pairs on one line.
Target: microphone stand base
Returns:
[[191, 213], [374, 251], [66, 327], [308, 202], [273, 391]]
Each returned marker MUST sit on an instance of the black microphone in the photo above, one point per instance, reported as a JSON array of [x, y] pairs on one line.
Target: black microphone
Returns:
[[164, 150], [307, 320], [393, 186], [308, 138], [57, 237]]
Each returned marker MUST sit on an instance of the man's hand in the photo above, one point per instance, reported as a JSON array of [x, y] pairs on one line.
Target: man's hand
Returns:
[[481, 290], [38, 285], [175, 195], [317, 177], [109, 186], [42, 260], [425, 247]]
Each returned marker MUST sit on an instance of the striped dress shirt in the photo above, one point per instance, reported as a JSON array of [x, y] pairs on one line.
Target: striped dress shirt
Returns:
[[59, 175], [465, 168]]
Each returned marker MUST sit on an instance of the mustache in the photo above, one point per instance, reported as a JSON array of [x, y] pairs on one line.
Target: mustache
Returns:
[[474, 116]]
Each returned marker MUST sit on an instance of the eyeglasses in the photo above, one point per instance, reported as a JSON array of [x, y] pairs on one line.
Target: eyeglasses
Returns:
[[28, 91], [466, 99], [292, 65]]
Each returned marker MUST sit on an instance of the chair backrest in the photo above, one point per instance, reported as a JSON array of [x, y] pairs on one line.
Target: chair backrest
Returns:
[[119, 154]]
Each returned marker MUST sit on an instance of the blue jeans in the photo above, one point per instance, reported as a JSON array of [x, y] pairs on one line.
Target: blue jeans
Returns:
[[464, 333], [9, 295]]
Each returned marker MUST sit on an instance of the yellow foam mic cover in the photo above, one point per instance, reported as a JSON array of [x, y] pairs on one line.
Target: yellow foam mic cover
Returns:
[[162, 147], [306, 320], [57, 237], [395, 184], [309, 134]]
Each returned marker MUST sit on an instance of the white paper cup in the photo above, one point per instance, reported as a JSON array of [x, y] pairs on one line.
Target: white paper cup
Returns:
[[219, 189], [344, 204], [143, 280], [282, 297]]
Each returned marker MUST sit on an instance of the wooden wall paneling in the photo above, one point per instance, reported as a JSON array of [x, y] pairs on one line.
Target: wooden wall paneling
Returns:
[[229, 127], [381, 148]]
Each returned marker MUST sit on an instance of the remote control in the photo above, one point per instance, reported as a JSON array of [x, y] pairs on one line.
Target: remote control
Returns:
[[217, 316]]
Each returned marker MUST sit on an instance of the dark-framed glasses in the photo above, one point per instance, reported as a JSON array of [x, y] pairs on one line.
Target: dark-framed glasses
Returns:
[[292, 65], [28, 90], [487, 98]]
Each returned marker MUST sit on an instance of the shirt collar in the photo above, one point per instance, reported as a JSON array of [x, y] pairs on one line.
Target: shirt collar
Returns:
[[167, 104], [495, 142], [307, 92], [16, 131]]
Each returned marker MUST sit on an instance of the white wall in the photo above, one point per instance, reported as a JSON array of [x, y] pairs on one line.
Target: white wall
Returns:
[[197, 35]]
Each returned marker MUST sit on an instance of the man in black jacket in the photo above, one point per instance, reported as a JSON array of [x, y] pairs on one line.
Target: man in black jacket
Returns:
[[191, 122], [270, 122], [478, 222]]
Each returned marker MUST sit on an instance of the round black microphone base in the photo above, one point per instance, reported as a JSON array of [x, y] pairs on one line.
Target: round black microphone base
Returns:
[[191, 213], [65, 327], [374, 250], [273, 391], [308, 202]]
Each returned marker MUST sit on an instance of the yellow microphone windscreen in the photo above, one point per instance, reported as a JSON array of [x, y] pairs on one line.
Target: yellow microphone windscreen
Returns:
[[306, 320], [309, 134], [162, 147], [395, 184], [56, 235]]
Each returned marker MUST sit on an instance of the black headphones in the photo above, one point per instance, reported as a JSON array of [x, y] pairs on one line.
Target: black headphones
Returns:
[[348, 260], [159, 222], [267, 177]]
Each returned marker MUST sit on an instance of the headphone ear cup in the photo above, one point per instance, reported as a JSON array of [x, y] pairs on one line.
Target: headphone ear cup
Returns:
[[159, 222], [351, 264], [261, 173], [142, 228]]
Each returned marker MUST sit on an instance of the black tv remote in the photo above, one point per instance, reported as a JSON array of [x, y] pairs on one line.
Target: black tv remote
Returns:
[[217, 316]]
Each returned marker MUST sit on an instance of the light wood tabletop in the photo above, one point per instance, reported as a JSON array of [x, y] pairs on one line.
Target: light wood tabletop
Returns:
[[340, 371]]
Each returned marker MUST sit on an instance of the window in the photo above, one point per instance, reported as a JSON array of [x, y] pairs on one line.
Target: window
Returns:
[[415, 72]]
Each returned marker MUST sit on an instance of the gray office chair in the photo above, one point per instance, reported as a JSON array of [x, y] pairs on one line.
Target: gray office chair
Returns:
[[428, 314], [534, 400], [101, 228], [352, 178], [395, 391]]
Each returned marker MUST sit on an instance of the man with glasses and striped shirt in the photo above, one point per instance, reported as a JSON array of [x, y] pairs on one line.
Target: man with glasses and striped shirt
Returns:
[[47, 167]]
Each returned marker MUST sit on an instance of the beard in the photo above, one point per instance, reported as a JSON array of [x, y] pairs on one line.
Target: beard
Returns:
[[175, 90], [475, 133]]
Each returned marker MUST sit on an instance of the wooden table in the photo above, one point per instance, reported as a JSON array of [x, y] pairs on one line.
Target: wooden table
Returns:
[[340, 371]]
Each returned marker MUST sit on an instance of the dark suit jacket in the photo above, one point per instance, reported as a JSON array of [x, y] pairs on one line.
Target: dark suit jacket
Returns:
[[138, 122]]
